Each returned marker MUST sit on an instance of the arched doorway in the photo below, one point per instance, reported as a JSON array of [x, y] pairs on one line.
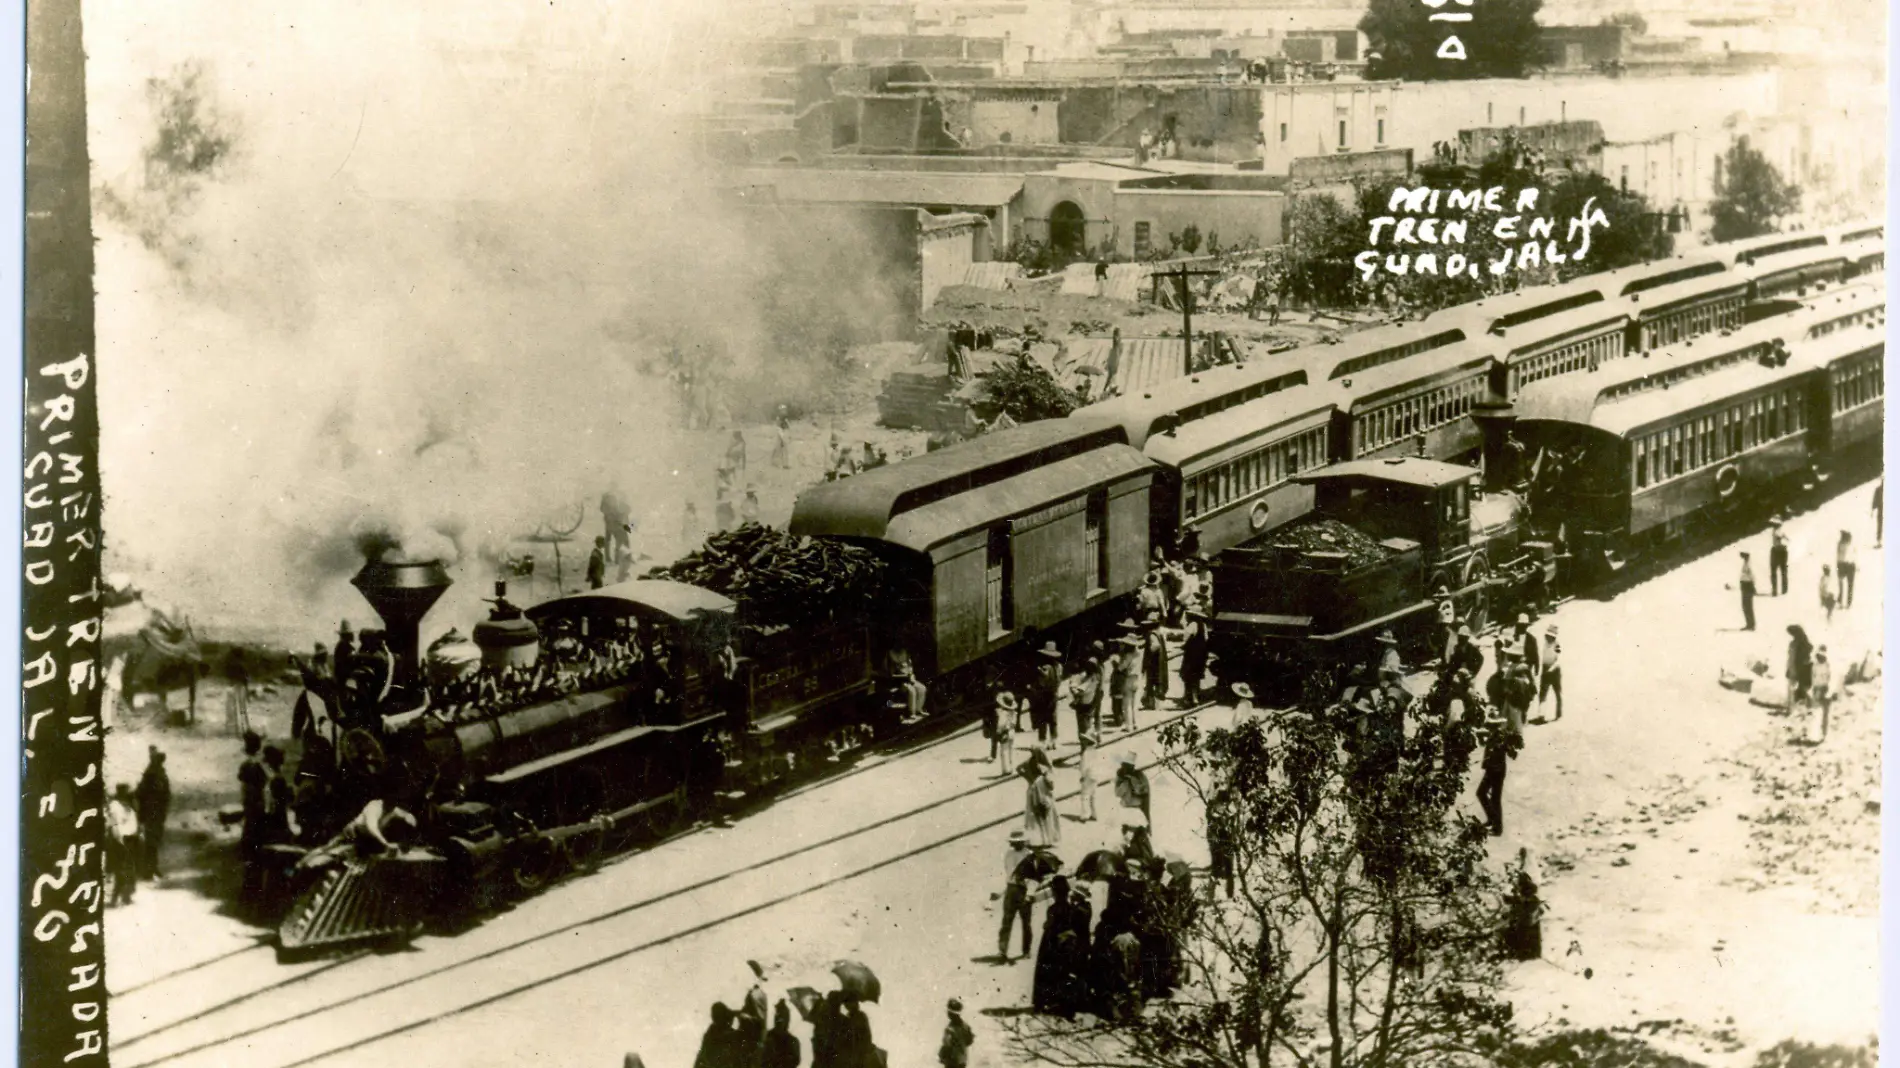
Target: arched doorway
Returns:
[[1067, 229]]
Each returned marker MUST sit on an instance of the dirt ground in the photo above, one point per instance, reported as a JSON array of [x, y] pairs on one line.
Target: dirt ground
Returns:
[[1711, 876]]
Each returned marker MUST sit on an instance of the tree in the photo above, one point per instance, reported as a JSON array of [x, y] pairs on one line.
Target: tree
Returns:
[[1502, 40], [1362, 929], [1629, 20], [1636, 232], [1323, 235], [1750, 195]]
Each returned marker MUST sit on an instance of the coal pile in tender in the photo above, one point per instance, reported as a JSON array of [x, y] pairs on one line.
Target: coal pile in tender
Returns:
[[779, 578], [1331, 536]]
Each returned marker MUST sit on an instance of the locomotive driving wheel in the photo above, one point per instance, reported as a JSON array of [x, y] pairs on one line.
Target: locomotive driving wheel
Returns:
[[535, 863], [583, 851], [1474, 605]]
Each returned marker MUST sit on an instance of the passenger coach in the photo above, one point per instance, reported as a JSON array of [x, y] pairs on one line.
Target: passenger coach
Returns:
[[1851, 362], [1230, 477], [1421, 407], [1629, 454], [996, 539]]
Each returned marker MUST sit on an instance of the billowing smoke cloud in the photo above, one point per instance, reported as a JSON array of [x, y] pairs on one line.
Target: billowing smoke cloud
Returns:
[[412, 273]]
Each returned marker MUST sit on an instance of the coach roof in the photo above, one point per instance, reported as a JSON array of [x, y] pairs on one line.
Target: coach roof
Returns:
[[1245, 425], [1573, 398], [1420, 370], [864, 505], [926, 527], [1404, 470]]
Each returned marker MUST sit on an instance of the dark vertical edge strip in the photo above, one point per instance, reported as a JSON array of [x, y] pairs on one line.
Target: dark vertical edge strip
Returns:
[[63, 792]]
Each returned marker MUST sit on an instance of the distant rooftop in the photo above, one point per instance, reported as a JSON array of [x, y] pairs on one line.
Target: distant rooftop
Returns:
[[884, 187]]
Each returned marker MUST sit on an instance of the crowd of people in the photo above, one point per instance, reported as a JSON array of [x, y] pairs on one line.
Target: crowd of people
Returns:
[[1111, 682], [742, 1038], [1108, 965]]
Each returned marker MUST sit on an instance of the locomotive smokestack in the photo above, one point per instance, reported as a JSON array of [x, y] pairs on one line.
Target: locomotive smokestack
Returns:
[[402, 593], [1497, 419]]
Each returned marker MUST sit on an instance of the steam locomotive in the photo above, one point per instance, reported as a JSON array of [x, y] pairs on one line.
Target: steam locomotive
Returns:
[[1491, 452]]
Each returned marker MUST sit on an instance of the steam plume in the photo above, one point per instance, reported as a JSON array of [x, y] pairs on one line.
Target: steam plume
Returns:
[[408, 269]]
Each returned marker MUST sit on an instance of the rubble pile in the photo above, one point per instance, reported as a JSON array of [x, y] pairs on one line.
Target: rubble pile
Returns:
[[1331, 536], [780, 578]]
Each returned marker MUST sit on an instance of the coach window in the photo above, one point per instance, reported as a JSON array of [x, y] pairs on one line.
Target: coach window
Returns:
[[1641, 469]]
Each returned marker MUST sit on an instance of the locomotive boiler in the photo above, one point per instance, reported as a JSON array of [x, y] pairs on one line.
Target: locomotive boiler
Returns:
[[587, 723]]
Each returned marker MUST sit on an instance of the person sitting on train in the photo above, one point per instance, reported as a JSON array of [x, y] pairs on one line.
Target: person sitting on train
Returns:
[[914, 694], [379, 828]]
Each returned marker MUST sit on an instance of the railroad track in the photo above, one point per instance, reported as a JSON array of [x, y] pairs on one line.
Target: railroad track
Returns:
[[871, 761], [300, 1011]]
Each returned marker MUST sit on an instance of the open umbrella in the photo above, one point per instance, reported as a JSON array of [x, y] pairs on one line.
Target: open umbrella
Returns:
[[1039, 864], [805, 1000], [858, 981], [1101, 864]]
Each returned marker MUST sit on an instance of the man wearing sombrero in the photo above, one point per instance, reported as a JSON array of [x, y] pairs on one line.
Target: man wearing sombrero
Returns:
[[1046, 694], [1154, 664], [1193, 656], [1003, 741], [1151, 599]]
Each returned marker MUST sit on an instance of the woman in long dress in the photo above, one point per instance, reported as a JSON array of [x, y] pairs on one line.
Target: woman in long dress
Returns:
[[1061, 957], [1040, 818]]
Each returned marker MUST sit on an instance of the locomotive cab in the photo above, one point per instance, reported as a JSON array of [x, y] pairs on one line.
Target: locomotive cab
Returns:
[[1400, 499], [1384, 537]]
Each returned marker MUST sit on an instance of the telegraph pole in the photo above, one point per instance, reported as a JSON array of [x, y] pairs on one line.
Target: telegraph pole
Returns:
[[1181, 275]]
